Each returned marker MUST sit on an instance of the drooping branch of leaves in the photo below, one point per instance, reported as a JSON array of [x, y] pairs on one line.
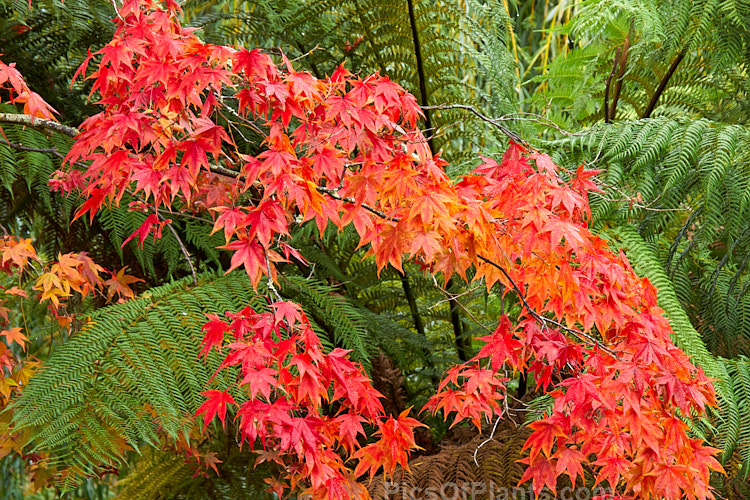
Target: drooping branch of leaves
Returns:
[[513, 222]]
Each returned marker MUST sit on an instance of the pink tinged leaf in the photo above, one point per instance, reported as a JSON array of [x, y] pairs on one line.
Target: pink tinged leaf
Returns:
[[229, 220], [146, 228]]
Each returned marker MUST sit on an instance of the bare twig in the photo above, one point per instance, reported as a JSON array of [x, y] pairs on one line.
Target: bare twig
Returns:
[[448, 294], [515, 117], [334, 194], [492, 436], [250, 124], [269, 283], [117, 11], [306, 54], [545, 321], [493, 121], [19, 147], [451, 297], [632, 201]]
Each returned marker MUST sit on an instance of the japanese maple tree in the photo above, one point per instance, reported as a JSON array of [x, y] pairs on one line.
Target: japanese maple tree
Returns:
[[342, 151]]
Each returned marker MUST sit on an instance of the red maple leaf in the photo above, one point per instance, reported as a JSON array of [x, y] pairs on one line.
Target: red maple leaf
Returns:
[[151, 224], [216, 405], [214, 334]]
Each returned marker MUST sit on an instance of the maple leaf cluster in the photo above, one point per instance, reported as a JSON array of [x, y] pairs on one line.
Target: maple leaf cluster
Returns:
[[290, 384], [55, 281], [588, 319], [13, 84], [15, 256], [346, 150]]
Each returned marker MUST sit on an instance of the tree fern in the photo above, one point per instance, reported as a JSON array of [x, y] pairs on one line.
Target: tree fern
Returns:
[[132, 360], [464, 54], [677, 58], [164, 474]]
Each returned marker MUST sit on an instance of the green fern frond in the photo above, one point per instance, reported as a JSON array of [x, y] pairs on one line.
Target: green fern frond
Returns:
[[164, 474], [132, 369]]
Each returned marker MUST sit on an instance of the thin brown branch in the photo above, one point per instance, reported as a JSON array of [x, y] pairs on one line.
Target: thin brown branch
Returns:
[[493, 121], [181, 245], [333, 194], [269, 283], [453, 296], [19, 147], [634, 201], [250, 124]]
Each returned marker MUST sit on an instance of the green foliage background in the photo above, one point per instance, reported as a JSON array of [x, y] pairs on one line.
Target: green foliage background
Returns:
[[652, 92]]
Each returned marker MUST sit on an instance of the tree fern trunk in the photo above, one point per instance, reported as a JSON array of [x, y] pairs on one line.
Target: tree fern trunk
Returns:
[[461, 342]]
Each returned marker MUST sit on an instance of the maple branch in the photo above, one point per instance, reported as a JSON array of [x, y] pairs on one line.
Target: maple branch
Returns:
[[524, 116], [492, 121], [41, 124], [633, 200], [542, 319], [521, 116], [38, 123], [19, 147], [117, 11], [334, 194], [161, 217], [218, 169], [190, 216], [450, 296], [250, 124]]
